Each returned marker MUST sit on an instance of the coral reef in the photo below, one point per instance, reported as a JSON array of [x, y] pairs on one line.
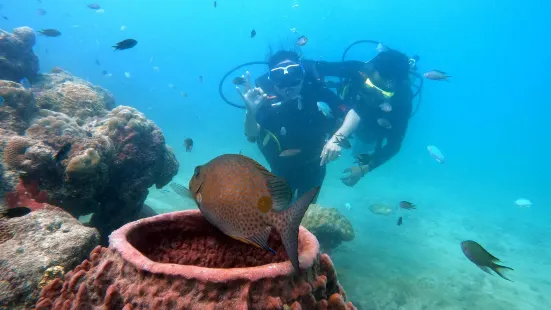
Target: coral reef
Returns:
[[17, 59], [38, 247], [329, 225], [179, 261], [48, 126], [18, 106], [111, 157], [60, 91]]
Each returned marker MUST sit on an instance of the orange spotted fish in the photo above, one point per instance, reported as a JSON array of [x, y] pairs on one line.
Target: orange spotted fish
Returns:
[[244, 200]]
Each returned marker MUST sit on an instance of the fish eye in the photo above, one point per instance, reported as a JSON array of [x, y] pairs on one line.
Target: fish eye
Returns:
[[196, 172]]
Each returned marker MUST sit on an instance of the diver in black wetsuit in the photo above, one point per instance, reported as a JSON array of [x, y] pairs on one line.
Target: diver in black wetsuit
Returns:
[[283, 118], [380, 93]]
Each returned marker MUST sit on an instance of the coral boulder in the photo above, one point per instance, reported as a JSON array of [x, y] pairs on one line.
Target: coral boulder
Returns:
[[61, 140], [17, 59], [35, 249], [329, 225]]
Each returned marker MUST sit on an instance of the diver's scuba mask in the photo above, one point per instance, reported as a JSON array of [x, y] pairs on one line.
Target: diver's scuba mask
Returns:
[[287, 76]]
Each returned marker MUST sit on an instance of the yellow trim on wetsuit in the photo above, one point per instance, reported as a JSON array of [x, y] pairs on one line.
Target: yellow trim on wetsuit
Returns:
[[387, 94], [270, 134], [344, 91]]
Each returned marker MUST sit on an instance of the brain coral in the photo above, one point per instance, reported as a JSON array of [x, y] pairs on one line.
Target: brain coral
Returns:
[[63, 92]]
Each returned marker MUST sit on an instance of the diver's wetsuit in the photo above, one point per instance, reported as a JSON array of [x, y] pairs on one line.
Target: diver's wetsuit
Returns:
[[368, 107], [284, 127]]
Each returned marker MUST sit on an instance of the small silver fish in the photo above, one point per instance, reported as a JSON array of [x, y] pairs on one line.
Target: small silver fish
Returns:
[[385, 107], [383, 122], [325, 109], [436, 154], [290, 152], [283, 131], [437, 75], [302, 41]]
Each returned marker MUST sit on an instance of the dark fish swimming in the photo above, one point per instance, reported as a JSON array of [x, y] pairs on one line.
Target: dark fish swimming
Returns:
[[63, 152], [41, 12], [214, 4], [301, 41], [15, 212], [399, 221], [383, 122], [407, 205], [364, 159], [482, 258], [125, 44], [239, 80], [94, 6], [245, 201], [188, 143], [50, 33], [253, 33], [343, 141]]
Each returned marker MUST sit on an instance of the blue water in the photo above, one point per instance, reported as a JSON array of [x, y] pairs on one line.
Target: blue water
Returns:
[[491, 121]]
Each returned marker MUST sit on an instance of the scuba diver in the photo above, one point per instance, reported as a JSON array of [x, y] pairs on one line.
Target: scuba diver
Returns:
[[283, 118], [380, 95]]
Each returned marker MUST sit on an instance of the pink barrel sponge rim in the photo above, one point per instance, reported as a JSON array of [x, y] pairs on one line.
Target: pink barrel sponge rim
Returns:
[[118, 242]]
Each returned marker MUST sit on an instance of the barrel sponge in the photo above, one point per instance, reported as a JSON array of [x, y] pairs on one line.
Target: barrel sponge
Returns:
[[84, 163]]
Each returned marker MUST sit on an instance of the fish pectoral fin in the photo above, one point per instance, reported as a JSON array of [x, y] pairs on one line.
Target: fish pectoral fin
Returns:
[[181, 190], [261, 239], [280, 192]]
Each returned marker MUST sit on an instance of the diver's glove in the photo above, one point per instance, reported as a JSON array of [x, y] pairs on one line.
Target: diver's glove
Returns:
[[253, 96], [355, 173]]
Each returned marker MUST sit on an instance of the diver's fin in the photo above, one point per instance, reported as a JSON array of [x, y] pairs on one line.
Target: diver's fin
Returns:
[[261, 239], [287, 224], [499, 270], [181, 190], [280, 192]]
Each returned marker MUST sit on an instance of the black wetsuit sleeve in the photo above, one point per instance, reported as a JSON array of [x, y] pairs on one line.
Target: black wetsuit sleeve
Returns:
[[394, 137], [345, 69]]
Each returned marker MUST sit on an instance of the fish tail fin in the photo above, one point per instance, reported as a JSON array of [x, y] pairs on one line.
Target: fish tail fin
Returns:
[[181, 190], [499, 270], [288, 221]]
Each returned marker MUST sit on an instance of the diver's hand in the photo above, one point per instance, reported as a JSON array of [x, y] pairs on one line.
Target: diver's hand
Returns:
[[331, 151], [355, 173], [253, 96]]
